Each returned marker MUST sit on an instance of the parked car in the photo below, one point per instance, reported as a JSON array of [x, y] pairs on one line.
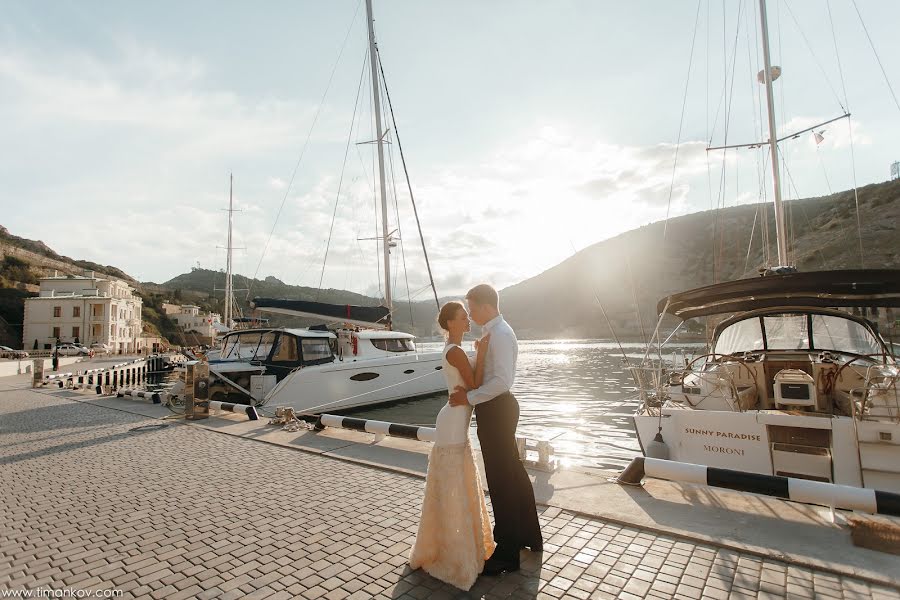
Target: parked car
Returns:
[[7, 352], [100, 348], [72, 350]]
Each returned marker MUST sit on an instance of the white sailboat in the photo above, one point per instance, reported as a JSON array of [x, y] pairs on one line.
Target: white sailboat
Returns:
[[360, 360], [794, 384]]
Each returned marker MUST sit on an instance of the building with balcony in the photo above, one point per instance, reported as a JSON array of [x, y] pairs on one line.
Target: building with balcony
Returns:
[[84, 309], [198, 327]]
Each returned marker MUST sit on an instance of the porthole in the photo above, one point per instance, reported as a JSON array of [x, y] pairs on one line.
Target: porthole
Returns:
[[438, 368], [408, 372], [364, 376]]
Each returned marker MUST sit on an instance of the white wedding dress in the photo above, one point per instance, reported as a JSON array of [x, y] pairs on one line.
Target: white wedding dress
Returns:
[[455, 536]]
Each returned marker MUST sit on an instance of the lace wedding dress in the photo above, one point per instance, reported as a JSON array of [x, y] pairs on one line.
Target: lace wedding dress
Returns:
[[455, 536]]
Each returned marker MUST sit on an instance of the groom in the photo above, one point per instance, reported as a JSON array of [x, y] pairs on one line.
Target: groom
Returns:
[[497, 414]]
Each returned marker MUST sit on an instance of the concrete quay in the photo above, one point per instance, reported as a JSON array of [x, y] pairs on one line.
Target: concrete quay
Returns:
[[101, 493]]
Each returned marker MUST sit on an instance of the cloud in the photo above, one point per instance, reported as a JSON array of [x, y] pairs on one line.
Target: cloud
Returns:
[[168, 137], [149, 96]]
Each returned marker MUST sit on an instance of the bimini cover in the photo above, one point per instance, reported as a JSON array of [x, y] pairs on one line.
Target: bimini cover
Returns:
[[860, 287], [345, 313]]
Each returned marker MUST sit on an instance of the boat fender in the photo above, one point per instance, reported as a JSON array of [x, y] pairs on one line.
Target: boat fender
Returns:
[[355, 342], [657, 448]]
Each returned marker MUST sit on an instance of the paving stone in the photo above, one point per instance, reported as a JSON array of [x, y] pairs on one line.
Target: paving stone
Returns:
[[123, 515]]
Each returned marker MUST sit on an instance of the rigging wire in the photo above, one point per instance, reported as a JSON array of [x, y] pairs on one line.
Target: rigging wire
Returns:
[[709, 193], [750, 243], [803, 211], [400, 235], [718, 232], [814, 57], [637, 307], [868, 37], [408, 184], [374, 181], [761, 211], [824, 172], [303, 150], [850, 130], [341, 179], [687, 81]]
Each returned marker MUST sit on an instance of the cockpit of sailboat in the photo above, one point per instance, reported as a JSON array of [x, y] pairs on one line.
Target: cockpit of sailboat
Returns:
[[798, 357]]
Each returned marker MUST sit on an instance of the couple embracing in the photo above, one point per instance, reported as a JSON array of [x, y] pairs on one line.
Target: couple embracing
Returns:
[[455, 542]]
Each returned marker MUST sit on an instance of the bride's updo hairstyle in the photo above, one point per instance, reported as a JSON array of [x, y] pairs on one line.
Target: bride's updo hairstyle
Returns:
[[448, 312]]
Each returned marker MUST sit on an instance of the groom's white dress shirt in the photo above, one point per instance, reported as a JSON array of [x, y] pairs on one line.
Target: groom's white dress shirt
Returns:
[[500, 363]]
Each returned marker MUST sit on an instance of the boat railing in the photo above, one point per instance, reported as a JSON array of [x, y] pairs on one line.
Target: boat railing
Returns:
[[651, 379], [703, 386], [879, 398]]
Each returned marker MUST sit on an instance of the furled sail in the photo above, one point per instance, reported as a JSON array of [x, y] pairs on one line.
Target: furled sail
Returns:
[[345, 313]]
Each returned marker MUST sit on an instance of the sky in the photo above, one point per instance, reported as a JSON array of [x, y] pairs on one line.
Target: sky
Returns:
[[530, 129]]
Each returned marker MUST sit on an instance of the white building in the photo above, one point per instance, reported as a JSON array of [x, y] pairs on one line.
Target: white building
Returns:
[[191, 320], [86, 308]]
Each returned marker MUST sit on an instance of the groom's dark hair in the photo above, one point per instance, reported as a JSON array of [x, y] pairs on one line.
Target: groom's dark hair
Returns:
[[484, 294]]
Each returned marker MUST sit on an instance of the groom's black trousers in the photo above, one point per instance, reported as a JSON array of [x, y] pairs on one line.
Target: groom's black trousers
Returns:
[[515, 515]]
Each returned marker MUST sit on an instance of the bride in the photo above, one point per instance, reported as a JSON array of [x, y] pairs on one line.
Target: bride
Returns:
[[454, 537]]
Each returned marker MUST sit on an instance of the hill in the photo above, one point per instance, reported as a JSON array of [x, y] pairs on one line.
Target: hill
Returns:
[[699, 249], [635, 268], [640, 266], [198, 285], [23, 262]]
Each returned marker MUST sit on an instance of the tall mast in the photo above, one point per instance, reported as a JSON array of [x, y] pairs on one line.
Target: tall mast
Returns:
[[373, 60], [229, 291], [780, 230]]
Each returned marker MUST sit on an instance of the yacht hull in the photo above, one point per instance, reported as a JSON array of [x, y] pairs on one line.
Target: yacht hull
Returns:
[[342, 385], [773, 442]]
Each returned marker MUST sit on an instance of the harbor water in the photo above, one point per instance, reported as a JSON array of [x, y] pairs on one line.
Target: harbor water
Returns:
[[576, 393]]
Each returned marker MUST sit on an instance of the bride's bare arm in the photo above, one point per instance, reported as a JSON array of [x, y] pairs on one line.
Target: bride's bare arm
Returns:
[[457, 357]]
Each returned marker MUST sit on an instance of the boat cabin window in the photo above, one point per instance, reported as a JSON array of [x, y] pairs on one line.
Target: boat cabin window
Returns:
[[836, 333], [285, 349], [395, 345], [792, 332], [740, 337], [253, 345], [315, 349], [786, 332], [263, 346], [229, 344]]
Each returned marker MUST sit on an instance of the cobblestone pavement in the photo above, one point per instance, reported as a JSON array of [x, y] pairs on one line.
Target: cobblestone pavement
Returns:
[[87, 502]]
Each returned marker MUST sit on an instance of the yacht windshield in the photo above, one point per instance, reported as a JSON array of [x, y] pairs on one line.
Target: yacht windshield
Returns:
[[792, 332], [844, 335], [786, 332], [740, 337], [253, 345]]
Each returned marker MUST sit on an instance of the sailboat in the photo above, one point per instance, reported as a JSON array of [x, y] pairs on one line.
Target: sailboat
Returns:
[[359, 359], [794, 384]]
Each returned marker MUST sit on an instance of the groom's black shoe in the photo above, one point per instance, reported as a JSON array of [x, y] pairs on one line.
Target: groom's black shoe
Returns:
[[497, 566]]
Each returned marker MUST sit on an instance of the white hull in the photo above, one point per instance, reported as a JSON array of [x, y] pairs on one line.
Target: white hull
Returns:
[[772, 442], [330, 387]]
